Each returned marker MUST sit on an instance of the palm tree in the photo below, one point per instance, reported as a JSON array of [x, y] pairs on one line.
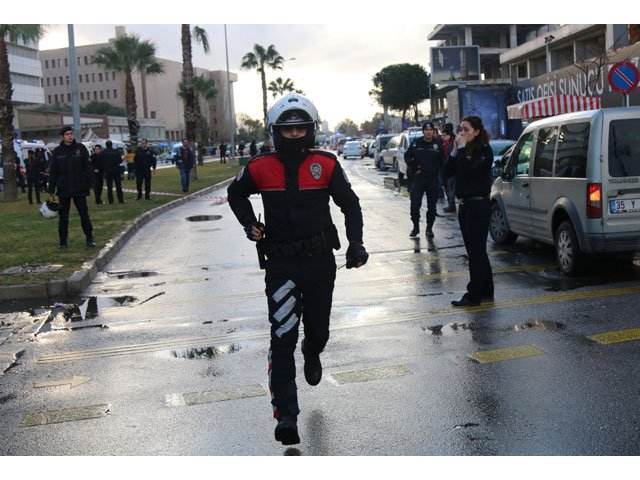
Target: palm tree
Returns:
[[279, 86], [204, 88], [191, 108], [261, 58], [11, 33], [128, 54]]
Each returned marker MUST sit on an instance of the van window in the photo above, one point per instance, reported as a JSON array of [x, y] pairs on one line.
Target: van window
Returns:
[[522, 154], [624, 148], [573, 148], [393, 143], [545, 149]]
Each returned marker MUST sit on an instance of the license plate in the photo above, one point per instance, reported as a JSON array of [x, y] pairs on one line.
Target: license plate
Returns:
[[625, 206]]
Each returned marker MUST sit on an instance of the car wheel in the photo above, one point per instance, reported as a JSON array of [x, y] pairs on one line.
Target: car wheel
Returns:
[[499, 228], [568, 253], [381, 165]]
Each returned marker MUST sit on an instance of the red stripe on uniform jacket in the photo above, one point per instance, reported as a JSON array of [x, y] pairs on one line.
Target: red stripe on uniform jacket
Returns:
[[267, 172], [315, 172]]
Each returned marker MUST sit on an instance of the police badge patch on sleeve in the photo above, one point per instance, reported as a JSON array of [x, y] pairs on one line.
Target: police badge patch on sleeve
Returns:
[[316, 171], [435, 146]]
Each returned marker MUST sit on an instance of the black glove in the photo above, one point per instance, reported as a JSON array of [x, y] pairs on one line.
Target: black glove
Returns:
[[248, 229], [356, 254]]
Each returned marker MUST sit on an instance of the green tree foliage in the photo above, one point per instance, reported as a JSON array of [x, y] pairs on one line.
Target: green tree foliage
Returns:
[[249, 129], [348, 127], [370, 127], [126, 55], [260, 59], [279, 87], [401, 87], [192, 114], [102, 108], [13, 33]]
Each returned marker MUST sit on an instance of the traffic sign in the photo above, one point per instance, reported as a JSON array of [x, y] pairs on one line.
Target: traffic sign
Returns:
[[623, 77]]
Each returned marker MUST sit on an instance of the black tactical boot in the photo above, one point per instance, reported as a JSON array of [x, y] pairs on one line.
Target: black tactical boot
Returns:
[[416, 231], [312, 367], [287, 431], [429, 232]]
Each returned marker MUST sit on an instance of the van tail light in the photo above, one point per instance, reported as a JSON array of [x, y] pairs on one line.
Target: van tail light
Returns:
[[594, 200]]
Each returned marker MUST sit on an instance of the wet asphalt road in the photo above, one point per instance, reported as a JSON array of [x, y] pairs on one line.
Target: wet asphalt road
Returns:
[[175, 348]]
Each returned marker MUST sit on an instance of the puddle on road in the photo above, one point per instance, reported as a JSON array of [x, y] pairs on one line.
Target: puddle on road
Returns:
[[132, 274], [539, 325], [204, 352], [203, 218]]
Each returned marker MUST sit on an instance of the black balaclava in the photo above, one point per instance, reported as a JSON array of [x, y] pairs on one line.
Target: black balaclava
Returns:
[[293, 147]]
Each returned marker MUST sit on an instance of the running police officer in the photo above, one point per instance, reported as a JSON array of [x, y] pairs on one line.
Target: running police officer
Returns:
[[296, 184], [144, 161], [424, 158], [470, 163]]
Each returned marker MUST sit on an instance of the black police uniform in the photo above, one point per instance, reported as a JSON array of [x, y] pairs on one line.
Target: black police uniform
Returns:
[[98, 173], [299, 240], [71, 177], [144, 160], [111, 161], [33, 166], [472, 172], [424, 159]]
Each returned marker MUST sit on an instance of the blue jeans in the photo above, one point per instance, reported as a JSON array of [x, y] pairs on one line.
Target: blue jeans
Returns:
[[184, 178]]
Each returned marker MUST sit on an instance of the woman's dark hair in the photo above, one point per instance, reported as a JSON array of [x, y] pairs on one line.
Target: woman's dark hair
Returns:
[[483, 136]]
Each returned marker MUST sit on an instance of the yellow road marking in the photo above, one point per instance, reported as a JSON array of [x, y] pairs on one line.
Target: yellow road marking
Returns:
[[511, 353], [616, 337], [346, 325]]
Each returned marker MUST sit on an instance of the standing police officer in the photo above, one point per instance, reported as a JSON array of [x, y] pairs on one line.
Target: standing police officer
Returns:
[[98, 172], [71, 177], [111, 161], [424, 158], [33, 166], [296, 185], [144, 161]]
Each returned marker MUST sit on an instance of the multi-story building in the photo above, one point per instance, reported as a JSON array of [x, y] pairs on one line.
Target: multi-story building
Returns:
[[25, 70], [523, 63], [156, 98]]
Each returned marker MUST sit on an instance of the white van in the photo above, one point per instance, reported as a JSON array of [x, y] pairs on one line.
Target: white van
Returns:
[[573, 181]]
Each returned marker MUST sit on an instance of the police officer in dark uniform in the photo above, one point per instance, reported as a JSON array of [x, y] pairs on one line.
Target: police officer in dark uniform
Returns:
[[296, 185], [111, 161], [470, 163], [144, 161], [424, 159], [98, 173], [71, 178], [33, 167]]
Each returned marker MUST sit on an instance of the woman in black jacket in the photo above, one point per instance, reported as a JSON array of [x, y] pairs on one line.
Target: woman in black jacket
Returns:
[[71, 177], [470, 163]]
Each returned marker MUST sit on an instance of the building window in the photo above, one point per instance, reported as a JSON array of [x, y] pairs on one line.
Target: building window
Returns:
[[49, 99], [113, 76], [59, 63], [61, 80], [55, 98], [101, 94], [46, 64], [66, 62], [95, 95], [42, 83], [54, 81], [99, 77], [79, 61], [67, 79], [82, 96], [80, 78], [86, 61], [108, 93], [48, 85], [153, 114], [115, 93], [93, 77], [69, 97], [86, 77]]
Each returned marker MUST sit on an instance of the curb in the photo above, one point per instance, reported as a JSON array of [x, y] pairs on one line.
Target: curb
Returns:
[[81, 279]]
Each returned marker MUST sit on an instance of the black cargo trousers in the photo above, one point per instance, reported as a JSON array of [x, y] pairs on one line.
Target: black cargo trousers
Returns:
[[421, 186], [298, 288], [473, 217]]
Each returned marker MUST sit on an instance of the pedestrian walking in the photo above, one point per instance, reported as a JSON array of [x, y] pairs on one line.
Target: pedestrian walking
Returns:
[[98, 173], [131, 167], [298, 240], [253, 148], [19, 176], [470, 163], [71, 178], [111, 161], [44, 168], [33, 167], [185, 161], [424, 158], [223, 153], [145, 161], [450, 184]]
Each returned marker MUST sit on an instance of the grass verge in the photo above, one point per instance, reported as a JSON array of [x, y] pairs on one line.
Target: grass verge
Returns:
[[28, 239]]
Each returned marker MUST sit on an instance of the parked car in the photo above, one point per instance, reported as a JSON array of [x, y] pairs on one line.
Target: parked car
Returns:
[[572, 181], [353, 148], [405, 142], [341, 143], [501, 152], [388, 156], [379, 145]]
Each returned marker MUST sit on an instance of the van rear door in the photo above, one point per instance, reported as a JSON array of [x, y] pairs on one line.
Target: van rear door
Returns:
[[621, 172]]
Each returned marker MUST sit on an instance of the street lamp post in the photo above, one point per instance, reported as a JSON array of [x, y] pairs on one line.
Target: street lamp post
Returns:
[[231, 122], [73, 73]]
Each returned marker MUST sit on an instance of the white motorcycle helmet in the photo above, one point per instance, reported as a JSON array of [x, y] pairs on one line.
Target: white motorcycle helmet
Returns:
[[49, 209], [292, 110]]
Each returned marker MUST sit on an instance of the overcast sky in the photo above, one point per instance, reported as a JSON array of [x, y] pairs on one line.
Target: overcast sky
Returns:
[[338, 45]]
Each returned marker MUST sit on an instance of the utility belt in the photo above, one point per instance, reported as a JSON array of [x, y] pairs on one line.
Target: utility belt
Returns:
[[325, 241], [475, 198]]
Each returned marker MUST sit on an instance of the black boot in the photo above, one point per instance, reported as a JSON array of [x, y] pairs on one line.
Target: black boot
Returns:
[[312, 367], [429, 232], [287, 431], [416, 230]]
